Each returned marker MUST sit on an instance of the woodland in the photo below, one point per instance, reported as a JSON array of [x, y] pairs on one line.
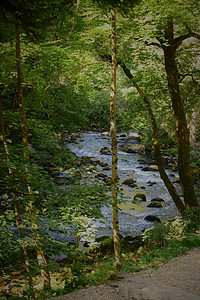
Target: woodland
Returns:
[[72, 66]]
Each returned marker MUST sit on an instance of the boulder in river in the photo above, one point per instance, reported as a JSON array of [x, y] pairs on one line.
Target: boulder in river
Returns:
[[177, 180], [155, 204], [150, 168], [153, 168], [173, 166], [135, 148], [157, 200], [105, 150], [130, 182], [152, 218], [122, 135], [140, 197], [151, 183], [106, 133], [107, 168], [95, 162]]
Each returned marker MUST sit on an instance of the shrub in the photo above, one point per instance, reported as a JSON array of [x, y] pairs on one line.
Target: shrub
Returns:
[[192, 219]]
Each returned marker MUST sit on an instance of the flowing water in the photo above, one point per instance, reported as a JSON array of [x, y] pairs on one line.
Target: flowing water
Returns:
[[132, 215]]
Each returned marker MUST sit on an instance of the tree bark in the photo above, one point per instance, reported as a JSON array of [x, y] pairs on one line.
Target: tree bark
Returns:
[[16, 209], [32, 211], [171, 189], [190, 198], [116, 237]]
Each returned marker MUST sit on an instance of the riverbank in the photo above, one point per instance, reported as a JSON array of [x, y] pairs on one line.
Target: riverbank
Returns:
[[177, 279]]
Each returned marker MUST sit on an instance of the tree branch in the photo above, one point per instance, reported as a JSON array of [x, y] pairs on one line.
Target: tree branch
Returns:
[[152, 44], [178, 41]]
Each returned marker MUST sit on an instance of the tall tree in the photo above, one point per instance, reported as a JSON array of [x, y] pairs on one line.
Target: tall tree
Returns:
[[15, 202], [170, 41], [116, 237], [171, 189], [33, 18], [158, 155], [32, 210], [170, 44]]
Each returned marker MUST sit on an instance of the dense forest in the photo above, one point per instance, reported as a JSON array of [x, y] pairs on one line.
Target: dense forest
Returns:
[[69, 67]]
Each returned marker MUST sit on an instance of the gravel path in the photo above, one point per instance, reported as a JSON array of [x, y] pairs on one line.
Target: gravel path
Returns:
[[177, 279]]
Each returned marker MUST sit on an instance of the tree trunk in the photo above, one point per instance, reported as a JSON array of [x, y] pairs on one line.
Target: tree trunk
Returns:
[[179, 116], [32, 211], [16, 209], [171, 189], [116, 237]]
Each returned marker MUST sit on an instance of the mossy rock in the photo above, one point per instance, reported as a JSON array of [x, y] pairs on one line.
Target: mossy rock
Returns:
[[152, 218], [140, 197], [130, 182], [155, 204], [105, 150], [157, 200]]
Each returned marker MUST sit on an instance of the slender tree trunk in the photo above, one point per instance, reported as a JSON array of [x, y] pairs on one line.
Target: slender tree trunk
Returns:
[[16, 209], [32, 211], [180, 118], [116, 237], [171, 189]]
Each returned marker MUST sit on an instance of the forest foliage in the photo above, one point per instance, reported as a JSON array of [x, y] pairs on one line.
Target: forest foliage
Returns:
[[66, 81]]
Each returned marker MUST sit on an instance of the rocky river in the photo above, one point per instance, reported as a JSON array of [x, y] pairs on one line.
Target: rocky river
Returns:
[[143, 183], [143, 194]]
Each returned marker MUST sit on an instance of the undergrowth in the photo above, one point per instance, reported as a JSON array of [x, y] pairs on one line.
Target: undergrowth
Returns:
[[157, 246]]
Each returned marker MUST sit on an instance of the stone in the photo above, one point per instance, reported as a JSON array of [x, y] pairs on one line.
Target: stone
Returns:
[[134, 135], [122, 135], [150, 183], [101, 175], [157, 200], [145, 169], [153, 168], [105, 150], [177, 180], [152, 218], [140, 197], [172, 175], [174, 167], [135, 148], [106, 133], [130, 182], [107, 168], [155, 204]]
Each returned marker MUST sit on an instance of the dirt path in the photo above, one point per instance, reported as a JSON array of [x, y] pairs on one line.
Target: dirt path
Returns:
[[177, 279]]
